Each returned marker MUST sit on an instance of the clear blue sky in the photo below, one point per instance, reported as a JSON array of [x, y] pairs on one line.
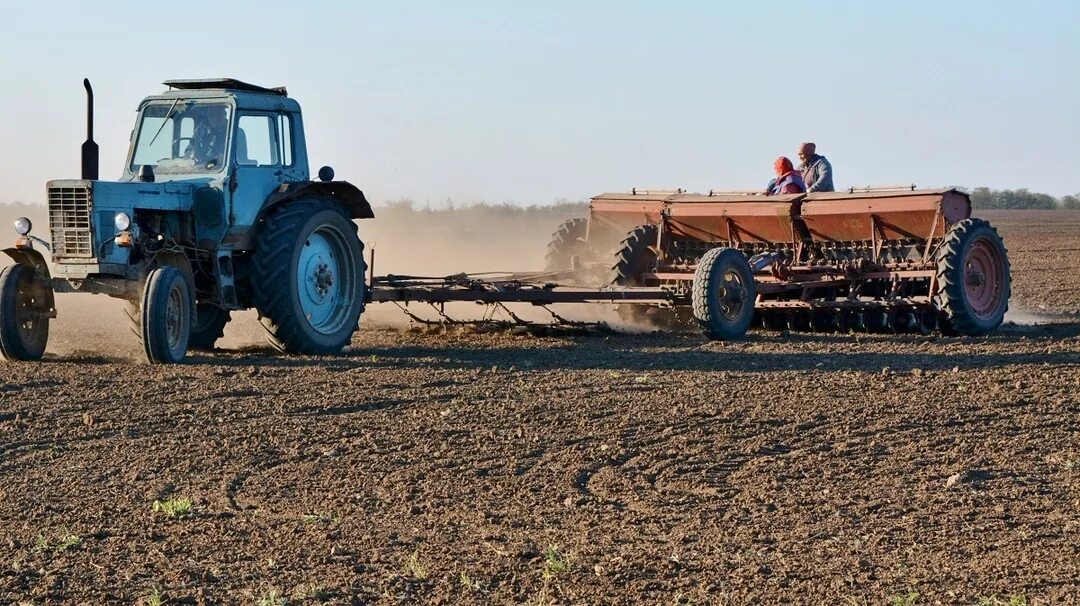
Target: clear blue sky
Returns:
[[533, 101]]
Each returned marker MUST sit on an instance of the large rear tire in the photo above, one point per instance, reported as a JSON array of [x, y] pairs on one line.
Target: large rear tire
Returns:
[[208, 326], [635, 256], [973, 278], [723, 294], [308, 279], [165, 315], [566, 243], [23, 331]]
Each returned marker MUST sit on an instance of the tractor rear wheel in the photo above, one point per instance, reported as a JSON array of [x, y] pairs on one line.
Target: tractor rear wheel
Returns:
[[208, 326], [723, 294], [635, 256], [308, 278], [23, 330], [165, 315], [973, 278], [566, 243]]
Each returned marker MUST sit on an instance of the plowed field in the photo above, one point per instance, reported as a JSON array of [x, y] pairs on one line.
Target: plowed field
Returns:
[[471, 468]]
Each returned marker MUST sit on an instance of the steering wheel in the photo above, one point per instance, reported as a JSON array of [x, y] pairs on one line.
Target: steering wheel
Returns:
[[180, 150]]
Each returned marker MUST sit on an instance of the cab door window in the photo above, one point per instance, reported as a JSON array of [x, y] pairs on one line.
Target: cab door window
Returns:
[[257, 141]]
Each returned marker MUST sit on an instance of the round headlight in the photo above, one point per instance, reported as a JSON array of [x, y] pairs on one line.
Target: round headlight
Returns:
[[122, 221], [23, 226]]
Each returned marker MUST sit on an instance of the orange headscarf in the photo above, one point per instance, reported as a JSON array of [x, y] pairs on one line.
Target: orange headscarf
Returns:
[[782, 166]]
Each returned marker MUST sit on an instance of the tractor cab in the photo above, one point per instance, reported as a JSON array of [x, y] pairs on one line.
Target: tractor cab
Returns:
[[206, 128]]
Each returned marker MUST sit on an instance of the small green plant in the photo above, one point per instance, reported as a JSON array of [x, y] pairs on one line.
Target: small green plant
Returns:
[[67, 541], [154, 598], [470, 583], [71, 541], [907, 599], [555, 561], [271, 597], [641, 379], [173, 507], [317, 518], [415, 567]]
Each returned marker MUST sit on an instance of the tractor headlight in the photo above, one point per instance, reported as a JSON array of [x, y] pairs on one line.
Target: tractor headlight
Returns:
[[122, 221], [23, 226]]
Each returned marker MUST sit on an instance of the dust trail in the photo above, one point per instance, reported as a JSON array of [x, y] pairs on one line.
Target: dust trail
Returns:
[[1029, 317]]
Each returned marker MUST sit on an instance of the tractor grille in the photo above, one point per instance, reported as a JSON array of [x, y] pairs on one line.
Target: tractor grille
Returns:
[[69, 221]]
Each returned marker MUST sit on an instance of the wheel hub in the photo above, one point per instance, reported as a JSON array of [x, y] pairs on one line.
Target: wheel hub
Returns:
[[983, 278], [732, 296], [323, 279]]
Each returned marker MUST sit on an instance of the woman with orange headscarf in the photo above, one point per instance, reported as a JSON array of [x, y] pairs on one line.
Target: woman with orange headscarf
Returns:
[[787, 181]]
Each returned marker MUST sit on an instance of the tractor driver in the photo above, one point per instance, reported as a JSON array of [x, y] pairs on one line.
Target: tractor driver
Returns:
[[208, 141]]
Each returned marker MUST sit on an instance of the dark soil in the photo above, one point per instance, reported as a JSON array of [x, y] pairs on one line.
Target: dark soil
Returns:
[[460, 467]]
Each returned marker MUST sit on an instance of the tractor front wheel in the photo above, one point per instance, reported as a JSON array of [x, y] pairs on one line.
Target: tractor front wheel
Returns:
[[165, 315], [24, 327]]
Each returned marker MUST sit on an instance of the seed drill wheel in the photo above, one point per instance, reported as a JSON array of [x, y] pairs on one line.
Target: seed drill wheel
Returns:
[[165, 315], [723, 294], [23, 331], [208, 326], [308, 280], [566, 243], [973, 279]]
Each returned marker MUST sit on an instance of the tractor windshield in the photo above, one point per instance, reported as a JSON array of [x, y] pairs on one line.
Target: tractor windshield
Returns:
[[182, 138]]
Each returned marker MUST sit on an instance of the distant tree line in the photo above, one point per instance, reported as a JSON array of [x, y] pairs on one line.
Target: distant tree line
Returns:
[[984, 197]]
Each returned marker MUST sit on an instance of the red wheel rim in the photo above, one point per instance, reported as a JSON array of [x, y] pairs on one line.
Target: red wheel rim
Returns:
[[984, 278]]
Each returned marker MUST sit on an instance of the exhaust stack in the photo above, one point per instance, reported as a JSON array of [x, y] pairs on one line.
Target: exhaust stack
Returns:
[[89, 148]]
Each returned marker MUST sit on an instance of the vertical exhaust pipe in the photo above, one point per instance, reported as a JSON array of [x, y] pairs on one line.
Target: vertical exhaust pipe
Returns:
[[89, 148]]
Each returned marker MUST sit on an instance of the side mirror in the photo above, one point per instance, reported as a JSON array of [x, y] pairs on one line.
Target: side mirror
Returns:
[[326, 174]]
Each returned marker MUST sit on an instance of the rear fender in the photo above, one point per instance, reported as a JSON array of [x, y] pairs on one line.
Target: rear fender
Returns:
[[31, 257], [344, 193], [347, 194]]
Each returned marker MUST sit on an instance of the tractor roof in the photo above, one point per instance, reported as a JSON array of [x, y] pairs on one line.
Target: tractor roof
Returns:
[[224, 83]]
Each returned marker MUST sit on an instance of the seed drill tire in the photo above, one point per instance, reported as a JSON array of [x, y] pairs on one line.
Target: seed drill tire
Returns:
[[708, 304], [968, 309]]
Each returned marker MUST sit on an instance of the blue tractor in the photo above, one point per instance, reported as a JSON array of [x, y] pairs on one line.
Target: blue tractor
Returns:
[[216, 211]]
